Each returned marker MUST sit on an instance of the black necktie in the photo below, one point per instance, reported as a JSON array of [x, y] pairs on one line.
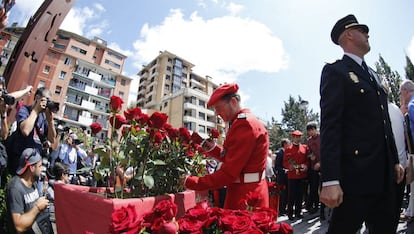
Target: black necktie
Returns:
[[364, 65]]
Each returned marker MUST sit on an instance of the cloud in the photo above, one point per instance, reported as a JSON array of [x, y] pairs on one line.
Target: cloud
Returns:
[[223, 47], [80, 21], [234, 8], [23, 10]]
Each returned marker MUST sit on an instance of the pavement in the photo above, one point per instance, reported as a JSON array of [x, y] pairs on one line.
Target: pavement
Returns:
[[310, 224]]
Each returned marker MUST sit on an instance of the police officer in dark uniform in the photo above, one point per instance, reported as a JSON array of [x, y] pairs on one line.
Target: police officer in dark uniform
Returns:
[[358, 154]]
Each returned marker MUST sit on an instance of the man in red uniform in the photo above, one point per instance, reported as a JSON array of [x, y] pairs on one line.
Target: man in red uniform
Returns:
[[297, 162], [314, 145], [243, 153]]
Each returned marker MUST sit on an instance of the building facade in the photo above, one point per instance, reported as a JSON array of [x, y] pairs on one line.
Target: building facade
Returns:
[[168, 84], [81, 74]]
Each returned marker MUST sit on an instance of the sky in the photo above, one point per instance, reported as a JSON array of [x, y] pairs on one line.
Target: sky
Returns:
[[272, 48]]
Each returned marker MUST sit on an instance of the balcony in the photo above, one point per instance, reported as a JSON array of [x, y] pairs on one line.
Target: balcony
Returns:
[[196, 84], [85, 120], [88, 105]]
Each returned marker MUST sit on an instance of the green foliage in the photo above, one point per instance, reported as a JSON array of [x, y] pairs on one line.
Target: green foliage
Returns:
[[295, 116], [157, 155], [392, 80], [409, 69], [3, 207]]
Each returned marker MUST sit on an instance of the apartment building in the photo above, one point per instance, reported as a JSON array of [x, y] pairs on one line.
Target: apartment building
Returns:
[[168, 84], [81, 73]]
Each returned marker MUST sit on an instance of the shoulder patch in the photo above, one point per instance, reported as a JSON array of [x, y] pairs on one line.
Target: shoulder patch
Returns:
[[242, 116]]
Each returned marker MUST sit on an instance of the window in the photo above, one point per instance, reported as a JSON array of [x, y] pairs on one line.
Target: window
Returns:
[[169, 60], [165, 104], [202, 103], [62, 74], [167, 77], [201, 129], [111, 63], [189, 126], [168, 68], [58, 89], [77, 49], [112, 54], [121, 95], [151, 88], [123, 82], [67, 61], [41, 84], [153, 71], [201, 115], [167, 87], [46, 69]]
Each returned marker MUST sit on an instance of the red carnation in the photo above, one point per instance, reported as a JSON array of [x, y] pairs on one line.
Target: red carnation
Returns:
[[157, 120], [115, 104], [133, 113], [95, 128], [184, 134], [119, 121]]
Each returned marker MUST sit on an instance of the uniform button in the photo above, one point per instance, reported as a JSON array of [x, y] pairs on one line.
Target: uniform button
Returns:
[[362, 90], [382, 107], [356, 152], [386, 137], [385, 122], [378, 92]]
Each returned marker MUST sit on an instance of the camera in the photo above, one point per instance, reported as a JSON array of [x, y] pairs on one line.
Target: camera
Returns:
[[77, 141], [8, 99], [52, 106], [8, 5]]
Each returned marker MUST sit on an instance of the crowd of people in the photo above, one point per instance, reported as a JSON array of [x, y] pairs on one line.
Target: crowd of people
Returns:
[[355, 166], [39, 153]]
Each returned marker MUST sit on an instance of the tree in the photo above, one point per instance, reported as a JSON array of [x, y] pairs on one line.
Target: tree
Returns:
[[392, 78], [409, 69], [295, 117], [276, 134]]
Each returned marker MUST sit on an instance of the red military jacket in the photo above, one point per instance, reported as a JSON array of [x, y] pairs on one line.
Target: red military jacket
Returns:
[[295, 156], [244, 150], [314, 144]]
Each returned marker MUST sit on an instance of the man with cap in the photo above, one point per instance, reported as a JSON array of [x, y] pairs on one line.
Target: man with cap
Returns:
[[297, 162], [314, 169], [243, 153], [359, 159], [27, 211]]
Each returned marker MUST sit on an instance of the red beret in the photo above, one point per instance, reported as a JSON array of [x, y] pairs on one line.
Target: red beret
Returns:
[[221, 91], [297, 133]]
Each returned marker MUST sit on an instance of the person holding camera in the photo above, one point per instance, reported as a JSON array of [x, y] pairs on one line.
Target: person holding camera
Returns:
[[35, 128], [69, 153], [27, 210]]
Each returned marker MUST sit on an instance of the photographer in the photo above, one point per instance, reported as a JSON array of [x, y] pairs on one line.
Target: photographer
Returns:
[[6, 102], [69, 153], [35, 128]]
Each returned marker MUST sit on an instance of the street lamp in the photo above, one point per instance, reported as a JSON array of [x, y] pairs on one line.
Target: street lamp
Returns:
[[303, 105]]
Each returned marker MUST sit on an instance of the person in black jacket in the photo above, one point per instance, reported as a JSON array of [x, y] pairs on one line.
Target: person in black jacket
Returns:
[[281, 176], [358, 154]]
